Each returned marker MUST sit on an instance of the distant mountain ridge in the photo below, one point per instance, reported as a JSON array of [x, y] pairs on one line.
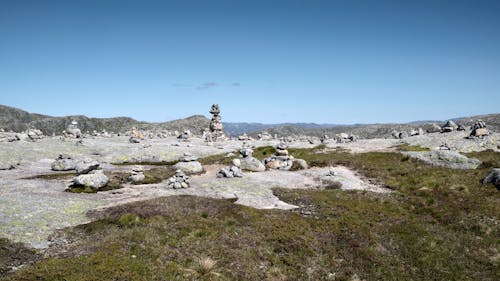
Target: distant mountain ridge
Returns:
[[17, 120]]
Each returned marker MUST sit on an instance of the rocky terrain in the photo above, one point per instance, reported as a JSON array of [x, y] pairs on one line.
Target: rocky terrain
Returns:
[[17, 120], [61, 195]]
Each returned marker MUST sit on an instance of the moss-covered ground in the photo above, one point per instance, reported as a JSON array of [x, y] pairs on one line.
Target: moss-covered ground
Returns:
[[439, 224]]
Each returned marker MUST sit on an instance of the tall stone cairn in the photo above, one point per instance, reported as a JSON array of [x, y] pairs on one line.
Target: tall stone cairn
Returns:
[[216, 127]]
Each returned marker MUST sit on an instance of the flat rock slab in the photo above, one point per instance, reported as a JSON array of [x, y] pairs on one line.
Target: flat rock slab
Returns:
[[445, 158]]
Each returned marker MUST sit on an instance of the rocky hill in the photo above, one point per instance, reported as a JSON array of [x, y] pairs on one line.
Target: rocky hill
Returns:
[[13, 119], [17, 120]]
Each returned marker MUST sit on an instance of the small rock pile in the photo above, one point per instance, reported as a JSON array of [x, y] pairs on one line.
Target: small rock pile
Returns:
[[34, 134], [282, 161], [135, 136], [179, 180], [244, 137], [189, 164], [479, 129], [232, 171], [137, 174]]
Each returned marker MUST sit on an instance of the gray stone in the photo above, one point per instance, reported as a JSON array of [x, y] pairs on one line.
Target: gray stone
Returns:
[[252, 164], [445, 158], [63, 165], [493, 177], [85, 166], [193, 167], [299, 164], [95, 180]]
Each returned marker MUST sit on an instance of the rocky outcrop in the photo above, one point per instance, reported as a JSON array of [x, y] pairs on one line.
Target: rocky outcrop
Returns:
[[445, 158]]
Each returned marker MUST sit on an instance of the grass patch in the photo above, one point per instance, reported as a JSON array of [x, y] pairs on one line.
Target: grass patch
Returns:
[[405, 147], [55, 176], [440, 224], [13, 255]]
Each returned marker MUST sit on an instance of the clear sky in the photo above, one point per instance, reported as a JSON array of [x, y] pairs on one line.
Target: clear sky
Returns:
[[263, 61]]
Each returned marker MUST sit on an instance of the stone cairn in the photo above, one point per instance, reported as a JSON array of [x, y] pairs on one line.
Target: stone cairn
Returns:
[[282, 161], [479, 129], [179, 180], [216, 127], [90, 175], [232, 171], [34, 134], [135, 136], [72, 130], [137, 174]]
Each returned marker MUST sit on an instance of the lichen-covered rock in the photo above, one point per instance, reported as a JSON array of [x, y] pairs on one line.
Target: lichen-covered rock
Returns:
[[192, 167], [299, 164], [63, 163], [252, 164], [95, 179], [86, 165], [445, 158]]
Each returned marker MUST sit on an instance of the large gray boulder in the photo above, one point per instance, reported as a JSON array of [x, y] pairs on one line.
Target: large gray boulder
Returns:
[[189, 168], [252, 164], [493, 177], [85, 166], [95, 179]]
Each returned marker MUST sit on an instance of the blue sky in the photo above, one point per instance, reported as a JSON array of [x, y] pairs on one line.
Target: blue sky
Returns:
[[262, 61]]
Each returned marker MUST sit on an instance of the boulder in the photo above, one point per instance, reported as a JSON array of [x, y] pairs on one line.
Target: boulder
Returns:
[[95, 179], [493, 177], [63, 163], [299, 164], [85, 166], [403, 135], [445, 158], [252, 164], [192, 167]]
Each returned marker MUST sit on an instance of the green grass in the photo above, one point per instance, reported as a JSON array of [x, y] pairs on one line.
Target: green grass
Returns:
[[447, 231], [405, 147]]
